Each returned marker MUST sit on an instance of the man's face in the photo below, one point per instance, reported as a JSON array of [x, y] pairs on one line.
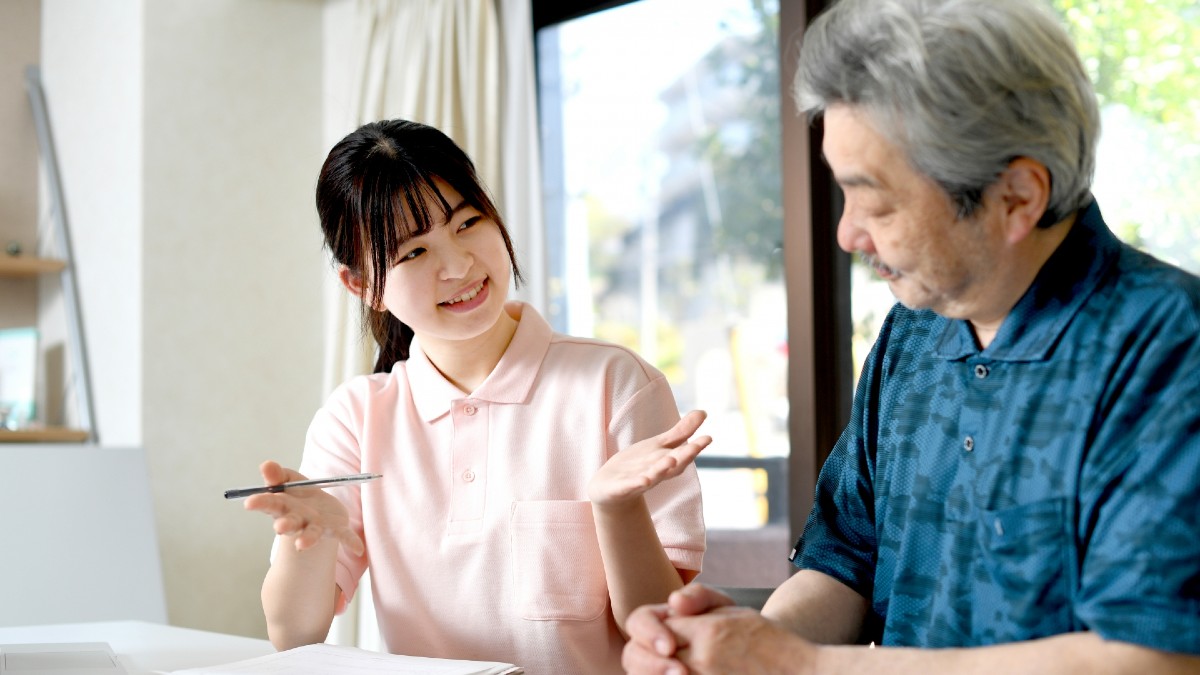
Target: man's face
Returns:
[[903, 224]]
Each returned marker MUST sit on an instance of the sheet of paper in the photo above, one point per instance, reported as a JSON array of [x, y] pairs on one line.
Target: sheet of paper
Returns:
[[322, 659]]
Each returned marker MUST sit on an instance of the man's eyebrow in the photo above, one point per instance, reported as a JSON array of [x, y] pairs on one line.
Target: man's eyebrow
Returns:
[[852, 180], [857, 180]]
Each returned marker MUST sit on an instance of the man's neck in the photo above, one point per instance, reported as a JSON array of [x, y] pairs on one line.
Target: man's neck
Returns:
[[1028, 258]]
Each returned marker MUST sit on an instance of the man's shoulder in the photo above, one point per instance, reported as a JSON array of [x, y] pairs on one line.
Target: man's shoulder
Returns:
[[1144, 288]]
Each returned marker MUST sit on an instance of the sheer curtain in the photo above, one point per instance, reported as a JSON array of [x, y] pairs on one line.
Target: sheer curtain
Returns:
[[465, 67]]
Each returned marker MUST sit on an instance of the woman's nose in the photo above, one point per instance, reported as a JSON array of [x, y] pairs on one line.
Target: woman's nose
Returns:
[[456, 261]]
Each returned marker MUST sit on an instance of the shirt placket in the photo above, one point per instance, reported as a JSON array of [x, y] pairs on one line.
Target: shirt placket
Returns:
[[468, 466], [976, 405]]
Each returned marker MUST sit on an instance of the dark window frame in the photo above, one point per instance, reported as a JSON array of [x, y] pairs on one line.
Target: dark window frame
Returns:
[[817, 278]]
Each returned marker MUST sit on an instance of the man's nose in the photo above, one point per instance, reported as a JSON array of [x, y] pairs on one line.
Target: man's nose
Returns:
[[851, 237]]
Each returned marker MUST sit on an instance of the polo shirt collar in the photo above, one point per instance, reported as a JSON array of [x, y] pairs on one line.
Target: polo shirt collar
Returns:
[[510, 381], [1059, 290]]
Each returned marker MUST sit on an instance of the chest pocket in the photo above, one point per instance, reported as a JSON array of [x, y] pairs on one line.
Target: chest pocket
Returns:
[[1023, 590], [557, 569]]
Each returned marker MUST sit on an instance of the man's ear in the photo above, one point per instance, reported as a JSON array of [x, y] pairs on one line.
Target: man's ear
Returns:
[[1025, 193]]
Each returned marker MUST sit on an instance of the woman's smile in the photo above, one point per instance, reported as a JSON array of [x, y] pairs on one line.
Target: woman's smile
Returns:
[[469, 299]]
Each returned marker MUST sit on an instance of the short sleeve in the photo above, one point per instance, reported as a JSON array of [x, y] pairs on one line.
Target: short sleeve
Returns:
[[675, 504], [1140, 501], [332, 448], [839, 537]]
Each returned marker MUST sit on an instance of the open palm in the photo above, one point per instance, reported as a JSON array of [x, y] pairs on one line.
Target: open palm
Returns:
[[634, 470], [308, 514]]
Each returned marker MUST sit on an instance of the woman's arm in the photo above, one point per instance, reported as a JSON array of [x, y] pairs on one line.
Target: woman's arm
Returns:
[[635, 564], [299, 594]]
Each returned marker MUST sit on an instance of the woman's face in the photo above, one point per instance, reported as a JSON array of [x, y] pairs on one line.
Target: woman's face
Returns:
[[450, 283]]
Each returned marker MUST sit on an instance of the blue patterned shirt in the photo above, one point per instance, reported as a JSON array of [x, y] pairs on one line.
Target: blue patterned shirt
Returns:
[[1047, 484]]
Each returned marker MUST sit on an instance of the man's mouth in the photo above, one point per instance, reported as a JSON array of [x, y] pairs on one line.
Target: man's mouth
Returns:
[[881, 269]]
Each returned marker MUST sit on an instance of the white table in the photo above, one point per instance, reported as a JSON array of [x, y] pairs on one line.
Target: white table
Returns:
[[146, 648]]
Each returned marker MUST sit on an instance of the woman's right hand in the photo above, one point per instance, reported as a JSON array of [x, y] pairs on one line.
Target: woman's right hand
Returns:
[[307, 515]]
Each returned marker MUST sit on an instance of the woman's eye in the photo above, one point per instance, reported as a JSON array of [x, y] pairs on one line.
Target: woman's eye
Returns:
[[412, 254], [470, 222]]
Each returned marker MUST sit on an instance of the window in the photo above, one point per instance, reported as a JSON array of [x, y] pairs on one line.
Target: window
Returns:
[[665, 228]]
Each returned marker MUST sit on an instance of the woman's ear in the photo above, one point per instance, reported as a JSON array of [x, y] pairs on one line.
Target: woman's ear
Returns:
[[353, 282], [1026, 193]]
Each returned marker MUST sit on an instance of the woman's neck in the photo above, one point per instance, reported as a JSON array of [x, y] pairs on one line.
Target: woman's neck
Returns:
[[467, 363]]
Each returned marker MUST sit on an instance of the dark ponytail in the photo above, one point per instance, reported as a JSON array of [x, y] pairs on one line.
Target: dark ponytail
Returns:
[[374, 193], [393, 337]]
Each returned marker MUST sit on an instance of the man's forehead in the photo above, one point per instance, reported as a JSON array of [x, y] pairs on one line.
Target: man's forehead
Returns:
[[856, 152]]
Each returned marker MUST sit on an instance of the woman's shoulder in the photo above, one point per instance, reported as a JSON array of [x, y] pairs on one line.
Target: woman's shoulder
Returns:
[[363, 389], [600, 355]]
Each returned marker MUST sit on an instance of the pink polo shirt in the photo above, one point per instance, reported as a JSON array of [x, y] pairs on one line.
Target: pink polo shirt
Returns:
[[479, 536]]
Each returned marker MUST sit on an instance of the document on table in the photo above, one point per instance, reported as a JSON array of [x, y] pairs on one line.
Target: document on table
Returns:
[[322, 659]]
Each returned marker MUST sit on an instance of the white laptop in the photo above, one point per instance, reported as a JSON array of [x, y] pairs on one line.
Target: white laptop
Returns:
[[69, 658]]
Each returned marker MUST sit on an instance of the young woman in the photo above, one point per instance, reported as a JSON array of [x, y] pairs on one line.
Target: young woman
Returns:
[[521, 516]]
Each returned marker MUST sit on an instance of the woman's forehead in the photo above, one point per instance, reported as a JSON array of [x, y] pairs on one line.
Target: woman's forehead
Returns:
[[429, 205]]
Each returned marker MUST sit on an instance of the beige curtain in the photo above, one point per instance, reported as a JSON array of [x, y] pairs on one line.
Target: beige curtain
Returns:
[[465, 67]]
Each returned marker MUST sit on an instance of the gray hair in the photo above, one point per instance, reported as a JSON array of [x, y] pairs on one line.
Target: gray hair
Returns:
[[963, 87]]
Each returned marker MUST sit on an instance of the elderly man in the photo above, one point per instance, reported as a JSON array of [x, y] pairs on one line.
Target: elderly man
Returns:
[[1018, 490]]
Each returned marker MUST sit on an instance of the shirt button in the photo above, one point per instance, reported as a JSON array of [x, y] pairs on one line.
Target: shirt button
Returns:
[[981, 371], [999, 528], [468, 475], [469, 409], [968, 444]]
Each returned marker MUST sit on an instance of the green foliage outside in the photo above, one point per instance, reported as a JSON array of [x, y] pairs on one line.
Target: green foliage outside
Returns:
[[1142, 54], [1143, 57], [747, 171]]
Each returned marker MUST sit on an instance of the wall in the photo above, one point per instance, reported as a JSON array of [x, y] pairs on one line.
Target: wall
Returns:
[[190, 135], [91, 73]]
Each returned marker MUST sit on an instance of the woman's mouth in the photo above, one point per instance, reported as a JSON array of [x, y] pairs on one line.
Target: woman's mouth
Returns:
[[468, 299]]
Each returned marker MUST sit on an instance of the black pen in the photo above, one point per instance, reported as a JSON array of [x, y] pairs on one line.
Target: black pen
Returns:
[[314, 482]]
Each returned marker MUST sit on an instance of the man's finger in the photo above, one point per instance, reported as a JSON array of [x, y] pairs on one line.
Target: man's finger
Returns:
[[646, 626], [695, 599]]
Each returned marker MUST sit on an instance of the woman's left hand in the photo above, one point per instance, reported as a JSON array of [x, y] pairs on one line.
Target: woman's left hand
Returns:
[[634, 470]]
